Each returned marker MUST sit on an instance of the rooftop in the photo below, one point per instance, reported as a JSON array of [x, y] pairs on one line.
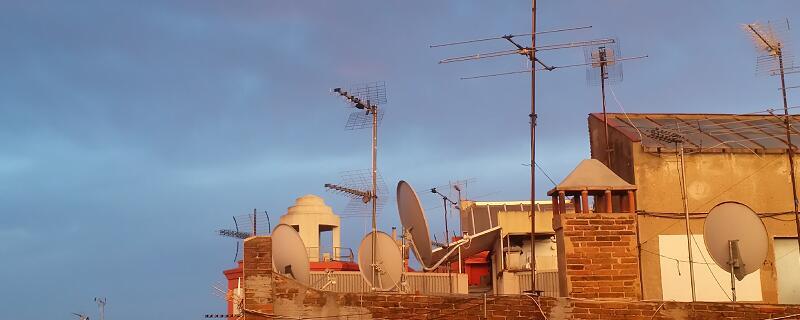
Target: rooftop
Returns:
[[753, 133]]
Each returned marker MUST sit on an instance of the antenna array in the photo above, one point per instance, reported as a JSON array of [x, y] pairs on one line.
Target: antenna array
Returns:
[[366, 98], [356, 185], [529, 52], [245, 226], [776, 61]]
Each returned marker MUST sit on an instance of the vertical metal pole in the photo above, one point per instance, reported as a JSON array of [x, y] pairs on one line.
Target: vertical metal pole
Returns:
[[447, 243], [602, 54], [533, 145], [679, 146], [791, 147], [731, 263], [374, 110], [254, 222]]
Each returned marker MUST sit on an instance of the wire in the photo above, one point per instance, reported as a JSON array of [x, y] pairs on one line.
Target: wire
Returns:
[[614, 95], [672, 258], [714, 197], [709, 269], [537, 305], [657, 309]]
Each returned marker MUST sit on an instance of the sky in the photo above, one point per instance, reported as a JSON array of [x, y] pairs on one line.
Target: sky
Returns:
[[131, 131]]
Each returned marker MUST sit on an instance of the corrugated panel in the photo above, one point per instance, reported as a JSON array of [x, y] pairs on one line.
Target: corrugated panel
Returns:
[[547, 281], [712, 132]]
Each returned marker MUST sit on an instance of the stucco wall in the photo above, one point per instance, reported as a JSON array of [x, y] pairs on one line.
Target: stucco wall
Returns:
[[760, 181]]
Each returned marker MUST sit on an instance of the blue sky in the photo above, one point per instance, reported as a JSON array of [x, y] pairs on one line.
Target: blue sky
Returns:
[[130, 131]]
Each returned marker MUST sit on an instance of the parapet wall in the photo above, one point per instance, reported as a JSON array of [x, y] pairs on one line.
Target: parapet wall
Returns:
[[268, 296]]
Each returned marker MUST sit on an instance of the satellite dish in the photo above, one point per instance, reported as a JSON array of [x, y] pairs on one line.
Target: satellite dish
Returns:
[[413, 218], [735, 238], [388, 261], [289, 257]]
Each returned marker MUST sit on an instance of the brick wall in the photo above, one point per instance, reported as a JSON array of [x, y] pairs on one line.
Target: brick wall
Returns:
[[269, 295], [257, 277], [597, 255]]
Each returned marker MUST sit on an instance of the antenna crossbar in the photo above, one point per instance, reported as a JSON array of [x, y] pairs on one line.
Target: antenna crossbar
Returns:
[[507, 36], [365, 195], [551, 68]]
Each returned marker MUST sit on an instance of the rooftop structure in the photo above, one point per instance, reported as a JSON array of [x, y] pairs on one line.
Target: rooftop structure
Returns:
[[738, 158]]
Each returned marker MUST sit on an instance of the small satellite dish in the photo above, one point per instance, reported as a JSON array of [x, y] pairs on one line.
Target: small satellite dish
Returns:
[[413, 218], [735, 238], [388, 261], [289, 257]]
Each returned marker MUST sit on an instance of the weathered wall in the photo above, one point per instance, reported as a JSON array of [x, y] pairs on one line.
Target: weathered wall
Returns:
[[257, 276], [268, 295], [760, 181], [599, 255]]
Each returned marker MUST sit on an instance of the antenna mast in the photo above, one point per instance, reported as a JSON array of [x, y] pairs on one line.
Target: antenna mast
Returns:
[[530, 54], [367, 98], [768, 40], [670, 136], [604, 68], [101, 303]]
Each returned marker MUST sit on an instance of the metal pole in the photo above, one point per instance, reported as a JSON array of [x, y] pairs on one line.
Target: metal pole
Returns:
[[679, 146], [374, 197], [447, 243], [732, 263], [533, 146], [101, 303], [254, 222], [791, 147], [602, 59]]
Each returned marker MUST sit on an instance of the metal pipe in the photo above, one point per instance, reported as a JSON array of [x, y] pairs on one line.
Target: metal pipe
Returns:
[[791, 146], [532, 116], [603, 94], [732, 263], [374, 195], [679, 147]]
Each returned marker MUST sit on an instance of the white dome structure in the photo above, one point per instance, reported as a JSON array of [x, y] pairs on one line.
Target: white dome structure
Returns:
[[309, 216]]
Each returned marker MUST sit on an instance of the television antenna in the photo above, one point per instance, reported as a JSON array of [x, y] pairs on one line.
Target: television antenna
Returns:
[[245, 226], [777, 61], [671, 136], [445, 202], [603, 68], [367, 98], [356, 185], [101, 303], [81, 316], [290, 258], [736, 239], [386, 264], [530, 53]]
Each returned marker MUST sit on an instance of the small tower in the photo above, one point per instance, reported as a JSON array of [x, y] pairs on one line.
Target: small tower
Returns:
[[309, 216]]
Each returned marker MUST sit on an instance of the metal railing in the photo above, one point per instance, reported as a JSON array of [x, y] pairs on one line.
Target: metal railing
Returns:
[[337, 254], [547, 281], [417, 282]]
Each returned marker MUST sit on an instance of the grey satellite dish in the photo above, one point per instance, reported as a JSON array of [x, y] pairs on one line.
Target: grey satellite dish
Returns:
[[413, 218], [735, 238], [289, 256], [388, 261]]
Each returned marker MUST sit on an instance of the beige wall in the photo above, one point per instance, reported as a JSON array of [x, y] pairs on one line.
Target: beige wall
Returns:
[[759, 181]]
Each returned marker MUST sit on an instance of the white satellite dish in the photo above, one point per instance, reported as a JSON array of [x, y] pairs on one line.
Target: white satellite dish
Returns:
[[388, 261], [736, 239], [289, 256], [413, 218]]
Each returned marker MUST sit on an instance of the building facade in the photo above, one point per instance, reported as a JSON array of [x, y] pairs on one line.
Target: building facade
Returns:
[[726, 158]]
